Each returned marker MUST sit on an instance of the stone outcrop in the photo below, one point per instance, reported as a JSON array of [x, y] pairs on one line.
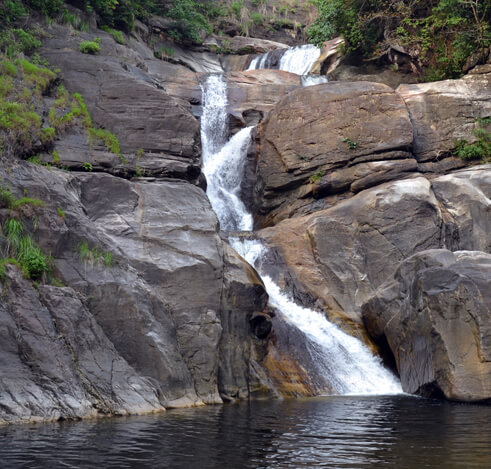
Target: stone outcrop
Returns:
[[165, 311], [317, 130], [337, 258], [325, 143], [434, 314], [252, 94], [129, 103], [445, 111]]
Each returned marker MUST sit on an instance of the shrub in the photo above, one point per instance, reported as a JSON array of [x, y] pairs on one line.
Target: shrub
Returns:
[[90, 47], [118, 36], [481, 148], [47, 135], [15, 41], [24, 249], [190, 21]]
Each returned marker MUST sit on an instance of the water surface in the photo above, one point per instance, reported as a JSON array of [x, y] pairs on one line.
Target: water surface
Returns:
[[331, 432]]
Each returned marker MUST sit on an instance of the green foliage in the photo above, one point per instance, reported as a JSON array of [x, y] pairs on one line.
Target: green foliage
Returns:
[[8, 68], [61, 213], [236, 7], [11, 11], [317, 176], [118, 36], [16, 41], [87, 166], [110, 140], [94, 255], [47, 135], [190, 21], [164, 52], [481, 148], [90, 47], [443, 33], [48, 8], [24, 250], [257, 18], [351, 144]]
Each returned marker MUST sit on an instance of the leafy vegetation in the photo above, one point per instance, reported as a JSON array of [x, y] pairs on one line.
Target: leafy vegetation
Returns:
[[317, 176], [481, 148], [442, 34], [351, 144], [94, 255], [90, 47], [118, 36]]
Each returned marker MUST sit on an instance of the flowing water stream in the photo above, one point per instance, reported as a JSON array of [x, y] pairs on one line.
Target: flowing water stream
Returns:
[[346, 362], [299, 60]]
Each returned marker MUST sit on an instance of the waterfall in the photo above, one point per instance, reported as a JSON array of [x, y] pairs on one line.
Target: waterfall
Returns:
[[347, 363], [350, 366], [297, 60], [223, 161]]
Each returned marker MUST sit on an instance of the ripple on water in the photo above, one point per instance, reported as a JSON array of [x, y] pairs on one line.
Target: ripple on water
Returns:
[[334, 432]]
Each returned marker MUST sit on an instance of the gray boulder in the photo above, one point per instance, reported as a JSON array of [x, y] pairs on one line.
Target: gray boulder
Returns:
[[435, 316]]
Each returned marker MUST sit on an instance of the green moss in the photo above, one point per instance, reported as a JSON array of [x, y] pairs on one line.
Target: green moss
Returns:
[[61, 213]]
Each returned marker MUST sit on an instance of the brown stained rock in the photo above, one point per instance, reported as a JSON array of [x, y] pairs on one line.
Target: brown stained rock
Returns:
[[342, 254], [435, 315], [257, 91], [445, 111], [310, 131]]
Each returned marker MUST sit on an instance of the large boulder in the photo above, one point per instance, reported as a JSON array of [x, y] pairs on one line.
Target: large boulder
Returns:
[[57, 362], [150, 266], [336, 258], [435, 315], [316, 130], [446, 111], [252, 94]]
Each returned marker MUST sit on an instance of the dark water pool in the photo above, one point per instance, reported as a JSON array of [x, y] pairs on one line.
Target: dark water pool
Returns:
[[334, 432]]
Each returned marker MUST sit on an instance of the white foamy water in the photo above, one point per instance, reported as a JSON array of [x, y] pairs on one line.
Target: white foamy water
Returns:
[[223, 161], [347, 363], [297, 60]]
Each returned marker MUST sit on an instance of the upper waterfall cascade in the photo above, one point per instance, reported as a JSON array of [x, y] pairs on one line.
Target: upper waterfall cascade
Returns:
[[347, 362], [297, 60]]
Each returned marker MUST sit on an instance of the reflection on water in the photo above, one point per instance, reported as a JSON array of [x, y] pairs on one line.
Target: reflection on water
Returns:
[[332, 432]]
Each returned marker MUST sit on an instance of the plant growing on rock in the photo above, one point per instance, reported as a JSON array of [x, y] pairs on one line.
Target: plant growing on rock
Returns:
[[90, 47], [481, 148], [352, 145]]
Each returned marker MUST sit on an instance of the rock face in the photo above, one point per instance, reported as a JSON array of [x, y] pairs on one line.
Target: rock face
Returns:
[[165, 311], [338, 257], [129, 103], [445, 111], [318, 129], [324, 143], [435, 315]]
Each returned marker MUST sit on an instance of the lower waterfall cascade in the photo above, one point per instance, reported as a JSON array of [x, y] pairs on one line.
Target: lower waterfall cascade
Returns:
[[349, 364]]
